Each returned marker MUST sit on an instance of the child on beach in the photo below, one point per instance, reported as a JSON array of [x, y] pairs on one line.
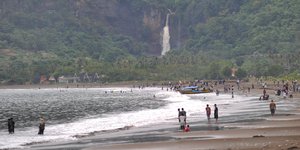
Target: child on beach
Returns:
[[187, 128]]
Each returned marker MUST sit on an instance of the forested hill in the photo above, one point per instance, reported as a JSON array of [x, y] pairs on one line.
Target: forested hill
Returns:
[[121, 39]]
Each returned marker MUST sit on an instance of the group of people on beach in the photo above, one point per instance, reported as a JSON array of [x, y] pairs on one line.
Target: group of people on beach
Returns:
[[11, 126], [265, 96], [182, 117], [182, 120], [208, 112]]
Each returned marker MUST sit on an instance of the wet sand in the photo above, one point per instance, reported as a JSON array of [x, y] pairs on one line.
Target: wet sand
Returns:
[[280, 132]]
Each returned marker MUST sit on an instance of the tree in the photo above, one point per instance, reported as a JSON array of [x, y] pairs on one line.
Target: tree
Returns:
[[275, 70], [226, 72], [214, 71], [241, 73]]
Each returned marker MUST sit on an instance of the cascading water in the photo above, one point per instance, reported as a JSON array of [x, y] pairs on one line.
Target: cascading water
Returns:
[[166, 37]]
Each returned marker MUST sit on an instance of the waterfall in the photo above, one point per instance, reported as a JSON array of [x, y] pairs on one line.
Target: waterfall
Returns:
[[166, 37]]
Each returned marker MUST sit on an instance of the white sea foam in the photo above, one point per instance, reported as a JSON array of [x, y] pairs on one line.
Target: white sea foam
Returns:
[[109, 121], [105, 122]]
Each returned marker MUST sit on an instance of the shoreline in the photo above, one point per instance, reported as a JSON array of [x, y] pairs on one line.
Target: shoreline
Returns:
[[283, 133], [277, 132], [70, 85], [256, 91]]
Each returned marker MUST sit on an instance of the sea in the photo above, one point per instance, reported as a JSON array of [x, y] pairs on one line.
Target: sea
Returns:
[[71, 113]]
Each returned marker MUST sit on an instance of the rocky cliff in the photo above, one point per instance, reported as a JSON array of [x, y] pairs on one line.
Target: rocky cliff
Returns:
[[134, 19]]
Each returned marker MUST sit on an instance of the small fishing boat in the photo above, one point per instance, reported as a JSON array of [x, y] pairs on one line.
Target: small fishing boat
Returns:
[[194, 90]]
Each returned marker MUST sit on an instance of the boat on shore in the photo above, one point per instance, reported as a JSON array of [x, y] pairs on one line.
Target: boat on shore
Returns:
[[194, 90]]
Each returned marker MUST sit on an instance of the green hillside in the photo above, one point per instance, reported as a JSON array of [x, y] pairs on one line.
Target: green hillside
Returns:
[[121, 39]]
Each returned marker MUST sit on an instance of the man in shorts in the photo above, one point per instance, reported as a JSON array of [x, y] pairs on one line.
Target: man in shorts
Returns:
[[208, 112], [272, 107]]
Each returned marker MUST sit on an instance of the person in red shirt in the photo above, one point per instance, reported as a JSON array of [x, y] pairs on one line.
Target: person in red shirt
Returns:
[[187, 128]]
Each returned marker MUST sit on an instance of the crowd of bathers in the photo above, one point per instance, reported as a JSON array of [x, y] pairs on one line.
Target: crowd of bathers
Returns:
[[183, 121], [11, 126]]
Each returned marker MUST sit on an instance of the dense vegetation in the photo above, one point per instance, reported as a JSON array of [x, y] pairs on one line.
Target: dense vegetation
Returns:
[[108, 37]]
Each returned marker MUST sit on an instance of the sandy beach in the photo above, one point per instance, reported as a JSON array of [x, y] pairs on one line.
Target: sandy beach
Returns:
[[283, 132], [278, 132]]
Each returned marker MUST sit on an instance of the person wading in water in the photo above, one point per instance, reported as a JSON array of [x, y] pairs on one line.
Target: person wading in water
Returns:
[[41, 126], [11, 125], [272, 107], [208, 112], [216, 113]]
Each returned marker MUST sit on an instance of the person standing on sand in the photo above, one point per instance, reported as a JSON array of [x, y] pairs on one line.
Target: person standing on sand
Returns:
[[9, 125], [183, 114], [41, 126], [179, 114], [232, 90], [208, 112], [216, 113], [272, 107], [182, 122]]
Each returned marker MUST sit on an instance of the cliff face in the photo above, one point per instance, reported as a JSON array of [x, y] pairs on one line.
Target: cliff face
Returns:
[[143, 23], [154, 21]]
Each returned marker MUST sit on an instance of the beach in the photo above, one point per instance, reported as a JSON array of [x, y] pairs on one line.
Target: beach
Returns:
[[281, 133], [241, 129], [278, 132]]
